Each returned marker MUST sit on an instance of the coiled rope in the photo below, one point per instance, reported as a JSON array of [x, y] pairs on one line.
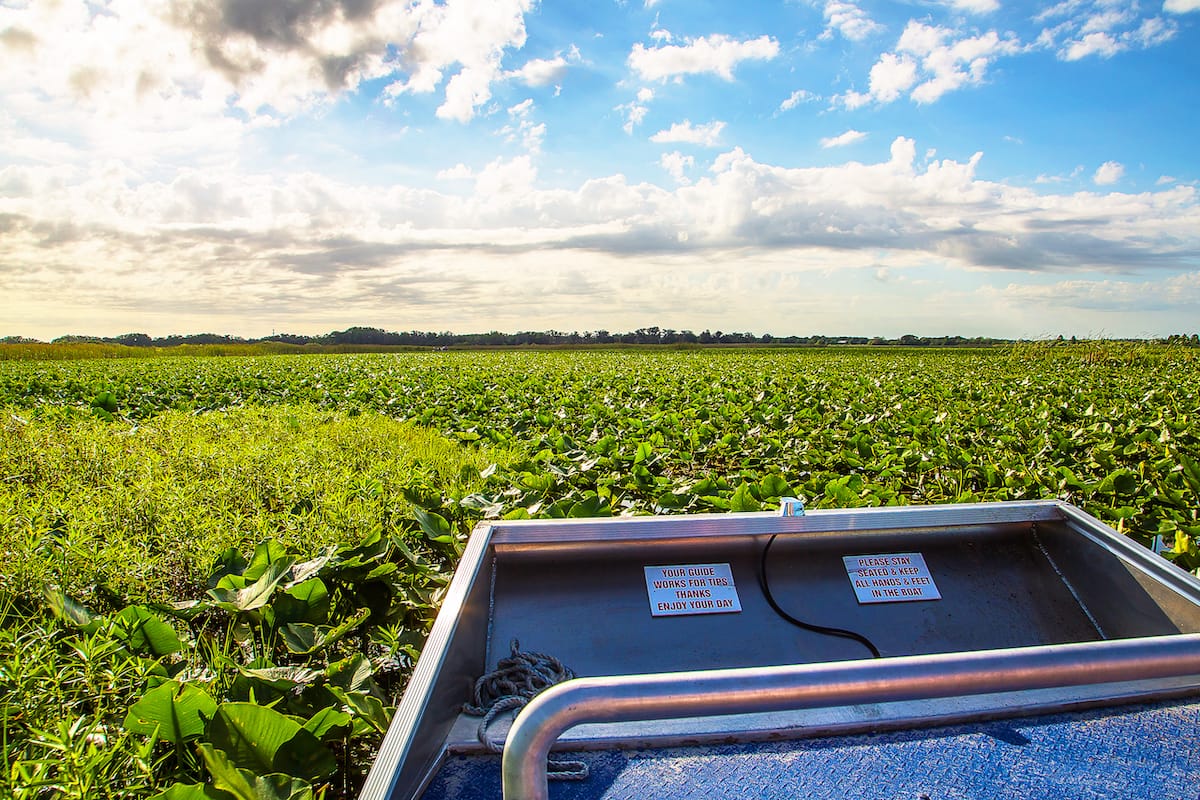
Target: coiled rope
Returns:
[[515, 681]]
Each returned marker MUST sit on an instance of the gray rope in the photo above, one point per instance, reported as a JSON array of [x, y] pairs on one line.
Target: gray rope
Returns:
[[514, 682]]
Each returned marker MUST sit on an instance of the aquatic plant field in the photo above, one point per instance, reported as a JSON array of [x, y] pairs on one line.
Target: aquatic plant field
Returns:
[[200, 552]]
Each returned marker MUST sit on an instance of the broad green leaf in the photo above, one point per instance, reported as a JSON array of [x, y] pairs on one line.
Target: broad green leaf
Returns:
[[352, 674], [177, 711], [774, 486], [106, 401], [250, 735], [302, 602], [228, 562], [279, 679], [302, 638], [743, 500], [74, 614], [591, 506], [434, 525], [184, 609], [278, 786], [329, 724], [305, 756], [225, 774], [193, 791], [1191, 473], [257, 594], [266, 554], [262, 740], [367, 708], [312, 567], [146, 632]]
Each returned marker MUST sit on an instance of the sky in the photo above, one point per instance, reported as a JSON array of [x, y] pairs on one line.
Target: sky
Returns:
[[929, 167]]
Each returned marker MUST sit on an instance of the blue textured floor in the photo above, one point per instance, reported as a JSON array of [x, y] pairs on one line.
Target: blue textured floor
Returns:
[[1150, 752]]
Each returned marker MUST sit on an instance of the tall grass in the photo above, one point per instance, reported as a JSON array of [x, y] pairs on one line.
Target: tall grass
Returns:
[[76, 351], [141, 510]]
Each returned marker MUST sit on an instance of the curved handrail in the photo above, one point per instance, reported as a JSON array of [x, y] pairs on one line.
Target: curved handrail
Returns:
[[757, 689]]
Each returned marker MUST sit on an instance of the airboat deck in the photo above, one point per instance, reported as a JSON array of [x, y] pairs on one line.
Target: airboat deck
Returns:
[[1026, 649]]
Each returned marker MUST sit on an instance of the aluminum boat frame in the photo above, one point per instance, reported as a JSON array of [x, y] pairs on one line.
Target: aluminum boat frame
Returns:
[[1042, 609]]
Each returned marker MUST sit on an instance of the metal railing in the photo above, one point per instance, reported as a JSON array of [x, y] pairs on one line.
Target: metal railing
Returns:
[[764, 689]]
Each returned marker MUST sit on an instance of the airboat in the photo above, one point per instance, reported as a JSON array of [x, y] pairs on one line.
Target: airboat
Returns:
[[1015, 649]]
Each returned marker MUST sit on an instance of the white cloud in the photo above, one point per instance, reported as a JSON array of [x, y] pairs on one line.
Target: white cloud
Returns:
[[716, 54], [1153, 31], [677, 164], [891, 76], [145, 79], [1181, 6], [930, 61], [708, 135], [1107, 19], [849, 20], [975, 6], [1093, 44], [304, 246], [458, 172], [541, 71], [796, 98], [1176, 292], [847, 138], [1108, 173], [500, 177], [636, 111], [472, 36], [1101, 28], [529, 133]]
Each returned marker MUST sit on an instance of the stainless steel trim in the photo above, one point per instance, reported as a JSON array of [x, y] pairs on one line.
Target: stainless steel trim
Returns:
[[1147, 561], [712, 692], [883, 518], [395, 762]]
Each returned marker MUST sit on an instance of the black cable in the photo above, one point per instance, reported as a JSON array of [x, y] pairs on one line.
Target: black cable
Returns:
[[766, 589]]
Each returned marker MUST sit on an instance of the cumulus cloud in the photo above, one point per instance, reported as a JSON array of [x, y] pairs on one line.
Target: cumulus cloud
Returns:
[[707, 135], [849, 20], [891, 76], [513, 177], [717, 54], [849, 137], [523, 129], [975, 6], [1078, 29], [1181, 6], [940, 208], [175, 65], [459, 171], [304, 244], [796, 98], [1108, 173], [676, 165], [1097, 43], [1175, 292], [541, 71], [930, 61], [636, 110]]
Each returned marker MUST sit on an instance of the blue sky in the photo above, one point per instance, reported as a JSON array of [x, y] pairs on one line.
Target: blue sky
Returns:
[[974, 167]]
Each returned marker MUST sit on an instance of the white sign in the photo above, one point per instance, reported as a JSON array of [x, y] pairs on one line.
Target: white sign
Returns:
[[691, 589], [891, 578]]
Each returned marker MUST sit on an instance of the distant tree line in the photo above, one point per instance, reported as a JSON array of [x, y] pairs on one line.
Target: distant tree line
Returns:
[[551, 338]]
